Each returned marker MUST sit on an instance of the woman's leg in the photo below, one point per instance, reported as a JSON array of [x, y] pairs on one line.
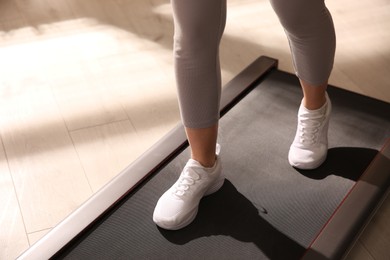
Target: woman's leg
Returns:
[[310, 31], [199, 26]]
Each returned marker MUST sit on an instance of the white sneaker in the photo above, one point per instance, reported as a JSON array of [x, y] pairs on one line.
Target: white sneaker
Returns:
[[310, 145], [178, 206]]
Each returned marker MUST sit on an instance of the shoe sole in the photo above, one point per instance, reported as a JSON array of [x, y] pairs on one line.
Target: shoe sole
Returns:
[[310, 166]]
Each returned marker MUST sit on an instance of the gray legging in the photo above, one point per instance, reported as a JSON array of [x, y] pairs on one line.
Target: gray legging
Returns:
[[199, 25]]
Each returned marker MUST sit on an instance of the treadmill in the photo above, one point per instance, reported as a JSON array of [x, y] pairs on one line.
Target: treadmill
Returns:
[[266, 209]]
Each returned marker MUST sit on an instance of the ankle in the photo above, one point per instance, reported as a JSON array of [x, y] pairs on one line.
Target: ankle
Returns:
[[314, 104], [207, 162], [314, 96]]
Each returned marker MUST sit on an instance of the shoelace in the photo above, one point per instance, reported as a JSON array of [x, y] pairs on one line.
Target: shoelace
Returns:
[[187, 179], [309, 126]]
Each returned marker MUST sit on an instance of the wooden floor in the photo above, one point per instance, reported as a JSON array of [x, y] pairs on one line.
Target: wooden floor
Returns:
[[87, 85]]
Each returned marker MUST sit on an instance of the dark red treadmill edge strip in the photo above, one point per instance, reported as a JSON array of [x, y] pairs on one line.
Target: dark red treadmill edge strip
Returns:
[[313, 252], [233, 92]]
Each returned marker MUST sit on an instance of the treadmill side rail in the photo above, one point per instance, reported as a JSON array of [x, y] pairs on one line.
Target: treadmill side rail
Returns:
[[358, 207]]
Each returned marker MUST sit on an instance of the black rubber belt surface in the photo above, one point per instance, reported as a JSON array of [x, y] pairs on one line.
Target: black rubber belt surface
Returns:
[[266, 209]]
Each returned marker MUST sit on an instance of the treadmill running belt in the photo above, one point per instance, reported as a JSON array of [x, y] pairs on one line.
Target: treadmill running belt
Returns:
[[266, 209]]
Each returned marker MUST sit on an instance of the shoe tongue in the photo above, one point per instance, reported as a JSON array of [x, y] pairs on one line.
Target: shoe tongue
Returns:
[[189, 169]]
